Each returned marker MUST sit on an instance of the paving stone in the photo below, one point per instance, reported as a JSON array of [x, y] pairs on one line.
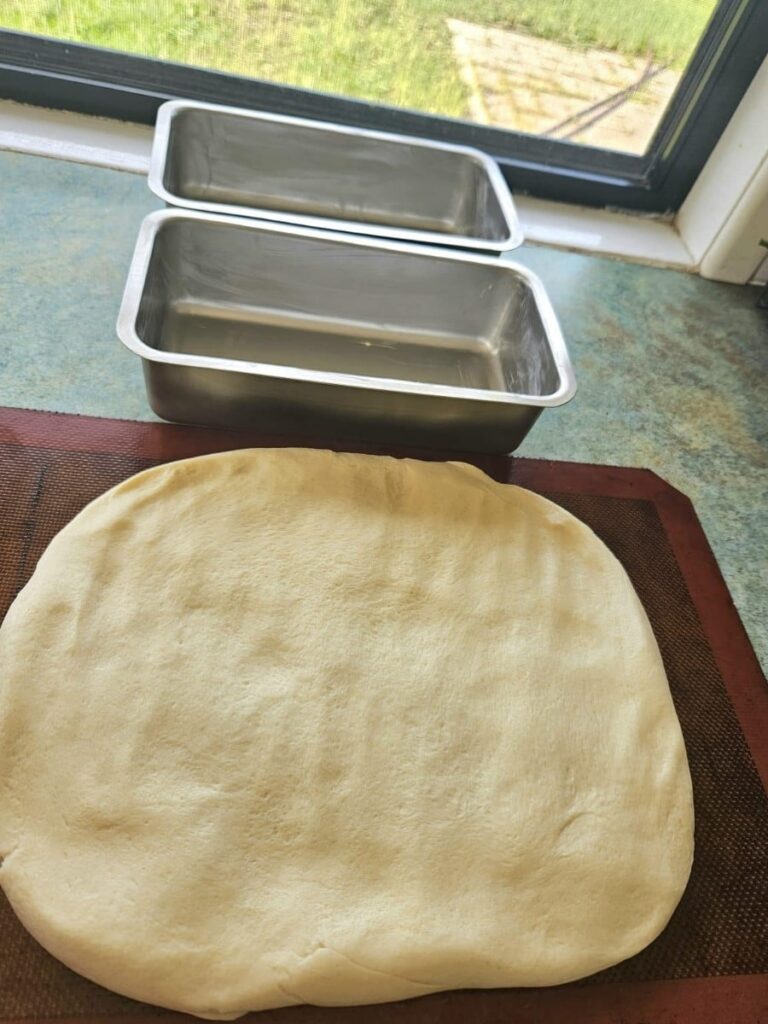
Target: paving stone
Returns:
[[524, 83]]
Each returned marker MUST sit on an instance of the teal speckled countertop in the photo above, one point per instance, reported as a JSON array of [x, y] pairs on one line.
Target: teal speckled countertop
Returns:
[[672, 369]]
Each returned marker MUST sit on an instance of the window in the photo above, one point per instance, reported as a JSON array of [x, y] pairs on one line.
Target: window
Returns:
[[605, 102]]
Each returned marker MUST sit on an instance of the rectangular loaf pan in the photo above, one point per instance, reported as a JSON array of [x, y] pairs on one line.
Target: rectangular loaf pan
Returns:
[[231, 161], [265, 326]]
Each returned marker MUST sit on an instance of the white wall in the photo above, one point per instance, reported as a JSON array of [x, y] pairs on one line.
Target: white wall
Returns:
[[726, 213]]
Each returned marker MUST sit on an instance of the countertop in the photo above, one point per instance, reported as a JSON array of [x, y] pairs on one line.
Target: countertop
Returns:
[[672, 369]]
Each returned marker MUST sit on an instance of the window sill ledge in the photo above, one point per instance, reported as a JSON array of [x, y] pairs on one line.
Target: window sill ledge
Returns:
[[126, 147]]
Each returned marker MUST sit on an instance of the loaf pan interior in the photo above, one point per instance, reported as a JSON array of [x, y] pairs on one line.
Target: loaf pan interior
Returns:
[[235, 290], [292, 167]]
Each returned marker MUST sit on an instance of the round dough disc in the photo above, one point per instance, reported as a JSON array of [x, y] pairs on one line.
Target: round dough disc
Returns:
[[286, 726]]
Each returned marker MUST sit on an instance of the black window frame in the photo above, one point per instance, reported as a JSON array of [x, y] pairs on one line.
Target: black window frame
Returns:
[[92, 80]]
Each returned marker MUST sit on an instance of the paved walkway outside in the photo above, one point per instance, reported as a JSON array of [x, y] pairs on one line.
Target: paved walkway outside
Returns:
[[533, 85]]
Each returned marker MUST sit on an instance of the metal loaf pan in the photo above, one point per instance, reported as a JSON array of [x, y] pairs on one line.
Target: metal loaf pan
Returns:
[[265, 326], [231, 161]]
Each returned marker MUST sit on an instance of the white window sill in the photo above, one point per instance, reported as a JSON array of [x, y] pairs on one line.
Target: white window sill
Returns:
[[122, 146], [66, 136], [583, 229]]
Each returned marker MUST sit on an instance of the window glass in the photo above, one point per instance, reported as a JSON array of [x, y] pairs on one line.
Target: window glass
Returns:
[[599, 72]]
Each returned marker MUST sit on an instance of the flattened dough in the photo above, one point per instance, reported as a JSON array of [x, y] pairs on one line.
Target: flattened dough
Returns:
[[285, 726]]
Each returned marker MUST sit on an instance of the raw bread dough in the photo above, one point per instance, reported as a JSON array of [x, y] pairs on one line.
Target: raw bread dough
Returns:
[[285, 726]]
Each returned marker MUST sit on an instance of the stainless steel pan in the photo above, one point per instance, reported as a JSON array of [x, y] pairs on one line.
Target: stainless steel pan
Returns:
[[231, 161], [261, 325]]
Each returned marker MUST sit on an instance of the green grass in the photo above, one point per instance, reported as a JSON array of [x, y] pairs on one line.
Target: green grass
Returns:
[[389, 51]]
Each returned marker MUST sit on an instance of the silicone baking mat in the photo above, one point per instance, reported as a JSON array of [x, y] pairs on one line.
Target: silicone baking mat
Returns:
[[711, 962]]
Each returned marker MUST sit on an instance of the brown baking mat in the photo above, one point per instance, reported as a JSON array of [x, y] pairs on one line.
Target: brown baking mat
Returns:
[[711, 963]]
